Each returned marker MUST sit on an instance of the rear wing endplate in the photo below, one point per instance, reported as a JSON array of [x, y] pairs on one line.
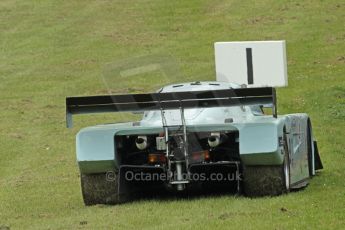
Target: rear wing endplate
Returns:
[[171, 100]]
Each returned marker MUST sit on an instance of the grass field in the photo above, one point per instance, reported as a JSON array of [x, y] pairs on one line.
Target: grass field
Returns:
[[53, 49]]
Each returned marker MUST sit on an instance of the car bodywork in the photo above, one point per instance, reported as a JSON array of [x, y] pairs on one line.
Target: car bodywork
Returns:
[[223, 130]]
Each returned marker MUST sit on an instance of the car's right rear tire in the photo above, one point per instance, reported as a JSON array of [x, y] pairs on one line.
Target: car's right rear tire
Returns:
[[267, 180]]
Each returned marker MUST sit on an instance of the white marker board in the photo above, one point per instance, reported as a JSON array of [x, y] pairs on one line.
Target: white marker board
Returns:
[[254, 63]]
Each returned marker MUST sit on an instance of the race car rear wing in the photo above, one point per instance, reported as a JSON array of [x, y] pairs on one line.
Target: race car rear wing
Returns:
[[171, 100]]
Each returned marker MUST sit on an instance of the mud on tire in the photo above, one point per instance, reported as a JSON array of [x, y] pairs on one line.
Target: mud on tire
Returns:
[[96, 189], [264, 181]]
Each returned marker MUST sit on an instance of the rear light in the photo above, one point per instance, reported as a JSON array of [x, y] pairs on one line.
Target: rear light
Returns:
[[201, 155], [207, 155], [155, 158]]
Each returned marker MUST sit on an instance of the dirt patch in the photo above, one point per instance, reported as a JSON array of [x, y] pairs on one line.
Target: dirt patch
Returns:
[[283, 209], [4, 227], [224, 216], [84, 222], [16, 136]]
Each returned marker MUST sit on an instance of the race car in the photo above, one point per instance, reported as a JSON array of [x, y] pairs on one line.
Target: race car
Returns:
[[193, 136]]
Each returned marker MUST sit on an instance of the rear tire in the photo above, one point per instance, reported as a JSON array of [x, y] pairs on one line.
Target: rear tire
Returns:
[[267, 180], [98, 189]]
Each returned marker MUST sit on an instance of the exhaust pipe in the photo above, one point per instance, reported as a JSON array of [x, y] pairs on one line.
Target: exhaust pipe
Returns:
[[141, 142]]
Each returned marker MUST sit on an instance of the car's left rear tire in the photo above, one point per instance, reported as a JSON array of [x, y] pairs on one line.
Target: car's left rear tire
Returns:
[[99, 189]]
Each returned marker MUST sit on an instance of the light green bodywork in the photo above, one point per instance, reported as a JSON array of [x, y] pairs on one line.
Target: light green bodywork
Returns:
[[259, 137]]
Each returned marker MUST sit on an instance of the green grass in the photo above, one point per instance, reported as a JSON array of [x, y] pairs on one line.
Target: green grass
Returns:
[[53, 49]]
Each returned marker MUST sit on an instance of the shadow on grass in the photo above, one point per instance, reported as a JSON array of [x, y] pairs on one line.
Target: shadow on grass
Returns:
[[162, 195]]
